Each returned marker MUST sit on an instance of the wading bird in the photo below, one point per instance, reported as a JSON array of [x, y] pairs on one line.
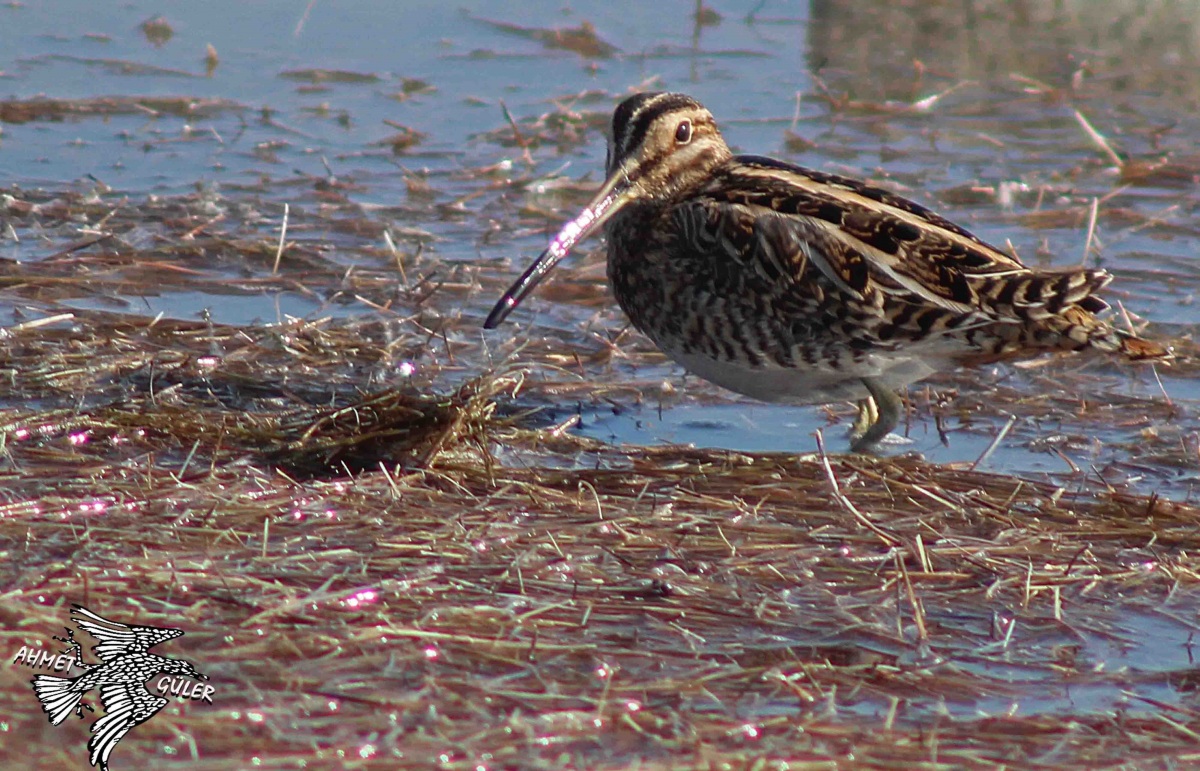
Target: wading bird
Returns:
[[792, 285]]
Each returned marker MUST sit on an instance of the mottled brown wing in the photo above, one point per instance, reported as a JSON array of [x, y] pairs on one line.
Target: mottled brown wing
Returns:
[[866, 239], [811, 275]]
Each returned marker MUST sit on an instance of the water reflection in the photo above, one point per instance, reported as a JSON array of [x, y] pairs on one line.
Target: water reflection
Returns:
[[1115, 48]]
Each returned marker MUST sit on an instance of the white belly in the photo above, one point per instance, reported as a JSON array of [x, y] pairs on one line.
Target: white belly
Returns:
[[805, 385]]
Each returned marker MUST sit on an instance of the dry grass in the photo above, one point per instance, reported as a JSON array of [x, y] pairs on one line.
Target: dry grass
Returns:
[[381, 579]]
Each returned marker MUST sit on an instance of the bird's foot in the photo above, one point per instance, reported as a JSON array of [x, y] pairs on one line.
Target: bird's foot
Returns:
[[73, 648], [877, 415]]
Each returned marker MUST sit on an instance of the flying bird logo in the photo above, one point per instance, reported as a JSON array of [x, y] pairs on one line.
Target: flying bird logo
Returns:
[[121, 676]]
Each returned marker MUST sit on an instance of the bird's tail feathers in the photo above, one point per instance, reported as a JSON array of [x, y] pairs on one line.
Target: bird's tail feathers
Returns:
[[1138, 349], [57, 696], [1043, 294], [1077, 329], [1059, 308]]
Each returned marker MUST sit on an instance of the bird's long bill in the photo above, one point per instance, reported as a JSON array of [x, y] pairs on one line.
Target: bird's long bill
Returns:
[[611, 197]]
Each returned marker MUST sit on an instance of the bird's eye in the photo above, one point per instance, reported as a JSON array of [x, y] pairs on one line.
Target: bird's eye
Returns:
[[683, 132]]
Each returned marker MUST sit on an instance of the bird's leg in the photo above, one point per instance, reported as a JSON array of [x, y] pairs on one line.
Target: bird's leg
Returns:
[[868, 413], [75, 648], [885, 404]]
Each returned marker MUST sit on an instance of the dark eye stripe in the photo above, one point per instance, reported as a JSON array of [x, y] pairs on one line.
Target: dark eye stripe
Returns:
[[626, 112], [627, 109]]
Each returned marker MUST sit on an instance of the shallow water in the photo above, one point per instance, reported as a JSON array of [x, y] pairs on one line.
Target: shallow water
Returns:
[[1000, 151]]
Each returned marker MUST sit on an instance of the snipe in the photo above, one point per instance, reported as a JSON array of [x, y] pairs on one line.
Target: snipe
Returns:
[[792, 285]]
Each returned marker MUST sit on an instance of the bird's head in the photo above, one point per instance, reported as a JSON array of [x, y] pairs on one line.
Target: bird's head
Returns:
[[181, 667], [661, 145]]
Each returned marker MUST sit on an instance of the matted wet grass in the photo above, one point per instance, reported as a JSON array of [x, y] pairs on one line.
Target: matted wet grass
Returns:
[[388, 576], [397, 542]]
